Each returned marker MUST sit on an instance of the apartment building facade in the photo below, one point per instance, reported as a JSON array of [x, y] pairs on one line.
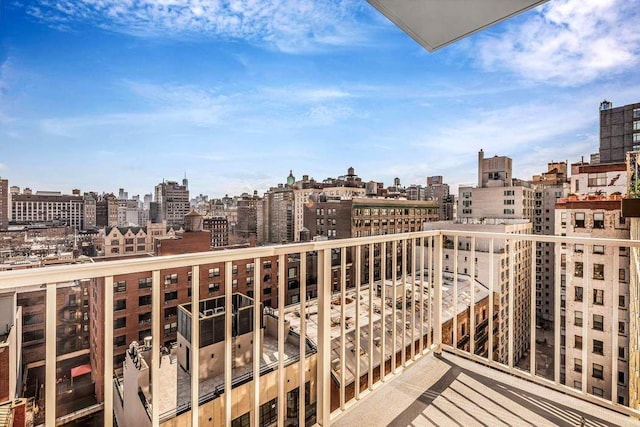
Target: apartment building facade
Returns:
[[173, 202], [511, 278], [619, 131], [49, 208], [589, 280], [5, 203], [549, 186]]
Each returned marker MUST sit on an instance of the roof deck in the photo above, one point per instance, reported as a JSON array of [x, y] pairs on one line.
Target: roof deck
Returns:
[[449, 390]]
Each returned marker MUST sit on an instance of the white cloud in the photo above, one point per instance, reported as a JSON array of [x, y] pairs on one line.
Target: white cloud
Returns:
[[303, 94], [5, 76], [288, 25], [325, 115], [567, 42]]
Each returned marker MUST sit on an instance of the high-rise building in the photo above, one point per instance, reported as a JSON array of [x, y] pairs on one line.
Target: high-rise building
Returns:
[[619, 131], [437, 190], [498, 195], [106, 211], [49, 208], [5, 203], [276, 215], [476, 261], [499, 203], [308, 196], [591, 304], [549, 186], [173, 201]]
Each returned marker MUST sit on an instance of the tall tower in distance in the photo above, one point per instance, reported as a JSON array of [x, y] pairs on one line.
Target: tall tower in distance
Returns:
[[619, 131]]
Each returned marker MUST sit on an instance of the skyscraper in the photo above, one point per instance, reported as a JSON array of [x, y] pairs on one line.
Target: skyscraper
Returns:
[[619, 131], [5, 203], [173, 201]]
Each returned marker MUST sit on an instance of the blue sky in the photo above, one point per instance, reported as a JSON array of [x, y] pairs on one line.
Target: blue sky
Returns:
[[103, 94]]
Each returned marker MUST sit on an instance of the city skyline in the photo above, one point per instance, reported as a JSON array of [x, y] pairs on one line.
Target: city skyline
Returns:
[[103, 95]]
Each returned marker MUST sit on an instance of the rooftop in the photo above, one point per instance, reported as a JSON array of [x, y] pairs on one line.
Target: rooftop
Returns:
[[464, 299]]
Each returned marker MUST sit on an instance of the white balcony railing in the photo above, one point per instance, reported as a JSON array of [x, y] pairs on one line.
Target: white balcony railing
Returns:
[[384, 329]]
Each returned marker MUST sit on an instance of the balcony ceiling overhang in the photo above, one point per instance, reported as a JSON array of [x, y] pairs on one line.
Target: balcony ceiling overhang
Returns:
[[437, 23]]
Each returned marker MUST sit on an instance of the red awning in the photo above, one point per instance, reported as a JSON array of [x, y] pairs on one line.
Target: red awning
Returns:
[[80, 370]]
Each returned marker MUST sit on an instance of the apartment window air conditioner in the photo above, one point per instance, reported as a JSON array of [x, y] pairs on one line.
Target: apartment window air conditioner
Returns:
[[208, 312]]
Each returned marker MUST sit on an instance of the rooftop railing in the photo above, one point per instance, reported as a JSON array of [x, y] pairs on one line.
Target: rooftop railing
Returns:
[[368, 333]]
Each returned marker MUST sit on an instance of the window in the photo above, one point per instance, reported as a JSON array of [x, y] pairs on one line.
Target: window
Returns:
[[577, 271], [578, 293], [621, 378], [120, 286], [169, 296], [622, 328], [250, 267], [241, 421], [267, 291], [144, 318], [579, 248], [145, 283], [579, 220], [120, 304], [509, 211], [622, 353], [598, 297], [598, 271], [171, 279], [621, 301], [214, 272], [292, 272], [636, 113], [598, 220], [119, 341], [577, 365], [598, 249], [578, 318], [577, 385], [144, 300], [170, 312], [598, 322], [234, 269], [598, 347], [266, 264], [597, 391], [269, 413], [598, 371], [622, 275], [509, 202], [636, 125], [120, 322], [214, 287], [597, 179], [577, 342], [636, 137]]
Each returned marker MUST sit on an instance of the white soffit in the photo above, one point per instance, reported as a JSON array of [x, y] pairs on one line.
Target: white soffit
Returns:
[[436, 23]]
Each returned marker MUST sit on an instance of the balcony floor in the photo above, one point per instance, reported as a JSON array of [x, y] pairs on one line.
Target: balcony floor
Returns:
[[451, 391]]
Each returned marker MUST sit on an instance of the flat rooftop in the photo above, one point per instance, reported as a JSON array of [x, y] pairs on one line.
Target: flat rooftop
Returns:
[[403, 329], [175, 383], [449, 390]]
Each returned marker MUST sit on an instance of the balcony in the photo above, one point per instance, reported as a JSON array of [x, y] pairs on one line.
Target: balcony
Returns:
[[412, 332]]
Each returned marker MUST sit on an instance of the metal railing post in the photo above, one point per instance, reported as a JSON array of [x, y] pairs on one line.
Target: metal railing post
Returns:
[[50, 355], [324, 338], [155, 347], [108, 351], [437, 300], [195, 344]]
